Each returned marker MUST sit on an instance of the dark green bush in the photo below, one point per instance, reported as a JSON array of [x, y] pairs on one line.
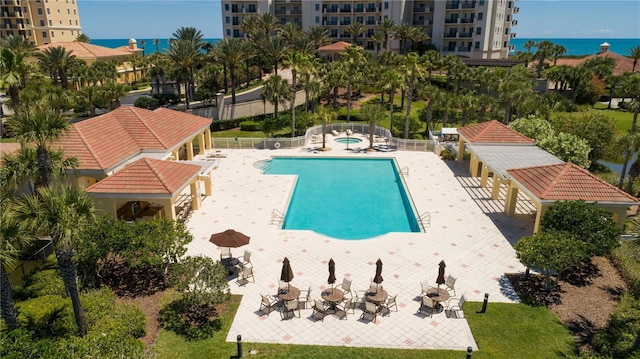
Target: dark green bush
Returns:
[[147, 102], [250, 126], [105, 315], [43, 282], [47, 316], [167, 98], [226, 124], [448, 155], [627, 259], [192, 321], [617, 339]]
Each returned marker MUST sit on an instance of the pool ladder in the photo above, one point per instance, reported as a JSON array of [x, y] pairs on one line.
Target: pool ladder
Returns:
[[424, 220], [277, 217], [405, 170]]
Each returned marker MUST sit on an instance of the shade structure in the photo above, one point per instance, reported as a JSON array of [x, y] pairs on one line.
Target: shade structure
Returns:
[[378, 277], [287, 274], [229, 238], [440, 279], [332, 272]]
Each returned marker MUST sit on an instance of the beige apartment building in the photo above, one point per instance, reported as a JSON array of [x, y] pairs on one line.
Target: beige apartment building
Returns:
[[40, 21], [478, 29]]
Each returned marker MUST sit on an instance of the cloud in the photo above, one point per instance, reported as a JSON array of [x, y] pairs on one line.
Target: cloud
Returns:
[[605, 31]]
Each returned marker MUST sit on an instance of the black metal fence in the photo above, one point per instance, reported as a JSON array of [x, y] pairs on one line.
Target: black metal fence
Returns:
[[29, 265]]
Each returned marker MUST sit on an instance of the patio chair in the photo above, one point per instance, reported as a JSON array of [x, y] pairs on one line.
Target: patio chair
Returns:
[[425, 287], [335, 133], [450, 282], [370, 310], [457, 306], [290, 307], [245, 275], [225, 252], [283, 287], [344, 307], [308, 302], [346, 286], [390, 303], [245, 260], [319, 308], [267, 305], [427, 303], [349, 132]]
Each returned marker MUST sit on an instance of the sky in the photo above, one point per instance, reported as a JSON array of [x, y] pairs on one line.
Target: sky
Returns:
[[116, 19]]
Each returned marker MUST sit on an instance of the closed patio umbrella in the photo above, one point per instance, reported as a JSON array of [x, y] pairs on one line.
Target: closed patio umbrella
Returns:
[[332, 272], [378, 277], [440, 279], [287, 274]]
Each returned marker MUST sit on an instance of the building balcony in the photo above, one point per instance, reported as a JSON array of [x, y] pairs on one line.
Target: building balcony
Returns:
[[372, 9], [345, 36], [346, 9], [513, 35], [467, 20], [421, 9], [465, 34], [281, 12], [514, 22], [419, 22], [295, 12], [463, 48], [471, 5], [330, 23], [512, 48], [331, 10], [450, 35], [451, 20], [358, 10], [453, 6], [516, 10], [370, 22], [345, 23]]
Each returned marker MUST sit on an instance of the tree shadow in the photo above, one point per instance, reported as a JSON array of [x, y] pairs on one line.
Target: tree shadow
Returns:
[[583, 331], [581, 276], [132, 282], [532, 291]]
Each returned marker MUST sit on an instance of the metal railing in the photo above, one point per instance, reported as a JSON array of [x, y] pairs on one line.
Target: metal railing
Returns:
[[277, 217], [30, 264]]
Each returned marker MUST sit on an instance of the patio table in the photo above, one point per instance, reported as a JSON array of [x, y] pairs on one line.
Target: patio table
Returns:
[[291, 294], [376, 295], [333, 296], [438, 295]]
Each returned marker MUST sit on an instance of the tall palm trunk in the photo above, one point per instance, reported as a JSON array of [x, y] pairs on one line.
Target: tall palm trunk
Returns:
[[349, 89], [623, 171], [44, 165], [293, 103], [226, 80], [232, 71], [409, 100], [69, 274], [391, 95], [9, 312]]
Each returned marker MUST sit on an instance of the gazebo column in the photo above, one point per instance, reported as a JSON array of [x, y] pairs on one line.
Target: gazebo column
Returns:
[[190, 150], [168, 209], [484, 176], [511, 200], [475, 163], [208, 184], [195, 198], [619, 216], [460, 151], [176, 155], [495, 189], [539, 213], [207, 139], [201, 144]]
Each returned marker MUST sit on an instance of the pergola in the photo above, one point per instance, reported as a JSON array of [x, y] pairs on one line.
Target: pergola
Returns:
[[513, 160]]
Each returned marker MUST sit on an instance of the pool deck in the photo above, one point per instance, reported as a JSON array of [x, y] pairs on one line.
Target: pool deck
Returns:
[[468, 231]]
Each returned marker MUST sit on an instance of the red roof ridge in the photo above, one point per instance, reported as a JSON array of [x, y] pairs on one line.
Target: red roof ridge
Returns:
[[485, 128], [152, 167], [89, 148], [135, 111]]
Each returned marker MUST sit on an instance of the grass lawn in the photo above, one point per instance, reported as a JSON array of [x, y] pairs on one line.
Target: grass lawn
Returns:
[[623, 118], [505, 331]]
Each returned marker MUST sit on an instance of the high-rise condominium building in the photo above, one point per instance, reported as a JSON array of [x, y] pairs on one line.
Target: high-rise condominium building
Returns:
[[468, 28], [40, 21]]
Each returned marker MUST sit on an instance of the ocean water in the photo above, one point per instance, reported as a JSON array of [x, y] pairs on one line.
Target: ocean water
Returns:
[[149, 46], [584, 46]]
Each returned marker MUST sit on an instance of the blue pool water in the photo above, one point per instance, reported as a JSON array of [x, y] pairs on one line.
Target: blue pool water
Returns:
[[346, 198], [349, 140]]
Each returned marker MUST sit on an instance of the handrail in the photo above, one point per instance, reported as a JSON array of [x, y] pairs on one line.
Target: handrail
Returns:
[[276, 217], [425, 220], [405, 170]]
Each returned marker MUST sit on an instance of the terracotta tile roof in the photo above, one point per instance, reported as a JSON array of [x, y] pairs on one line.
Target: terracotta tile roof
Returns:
[[83, 50], [104, 141], [493, 132], [623, 63], [147, 176], [568, 181], [336, 46]]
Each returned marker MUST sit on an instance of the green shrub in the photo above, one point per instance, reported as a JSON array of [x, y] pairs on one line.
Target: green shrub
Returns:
[[41, 283], [627, 259], [167, 98], [147, 102], [105, 315], [448, 155], [226, 124], [46, 316], [617, 339], [250, 126], [189, 320]]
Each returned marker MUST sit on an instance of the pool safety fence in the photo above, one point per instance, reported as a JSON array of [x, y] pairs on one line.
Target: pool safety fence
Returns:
[[357, 129]]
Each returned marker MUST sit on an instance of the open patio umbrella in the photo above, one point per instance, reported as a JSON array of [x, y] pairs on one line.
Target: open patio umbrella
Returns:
[[229, 238], [332, 272], [287, 274], [378, 277], [440, 279]]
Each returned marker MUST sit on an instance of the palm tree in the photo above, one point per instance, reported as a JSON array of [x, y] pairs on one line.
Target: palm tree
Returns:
[[13, 240], [404, 32], [558, 51], [373, 114], [156, 42], [276, 91], [432, 95], [630, 146], [290, 32], [318, 35], [393, 81], [21, 167], [308, 69], [528, 45], [83, 38], [544, 51], [414, 70], [63, 214], [268, 22], [634, 53], [378, 38], [355, 29], [387, 27], [274, 47], [190, 34], [325, 116], [352, 58], [57, 61], [186, 56], [13, 68], [40, 127], [230, 52], [296, 61], [514, 88], [142, 43], [579, 77]]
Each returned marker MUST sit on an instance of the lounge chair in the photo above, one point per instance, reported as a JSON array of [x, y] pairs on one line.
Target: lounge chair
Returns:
[[390, 303], [427, 303], [245, 260], [291, 307], [225, 252], [319, 308], [346, 287], [456, 308], [346, 305], [450, 282], [335, 133], [349, 132], [370, 310], [245, 275], [267, 305]]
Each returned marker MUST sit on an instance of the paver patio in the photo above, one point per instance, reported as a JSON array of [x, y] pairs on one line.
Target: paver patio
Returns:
[[468, 231]]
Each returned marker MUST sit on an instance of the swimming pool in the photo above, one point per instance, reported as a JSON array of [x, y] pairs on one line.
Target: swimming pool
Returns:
[[346, 198], [349, 140]]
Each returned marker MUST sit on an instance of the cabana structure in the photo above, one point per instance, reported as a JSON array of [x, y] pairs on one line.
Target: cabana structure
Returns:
[[513, 160], [333, 51], [130, 160]]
